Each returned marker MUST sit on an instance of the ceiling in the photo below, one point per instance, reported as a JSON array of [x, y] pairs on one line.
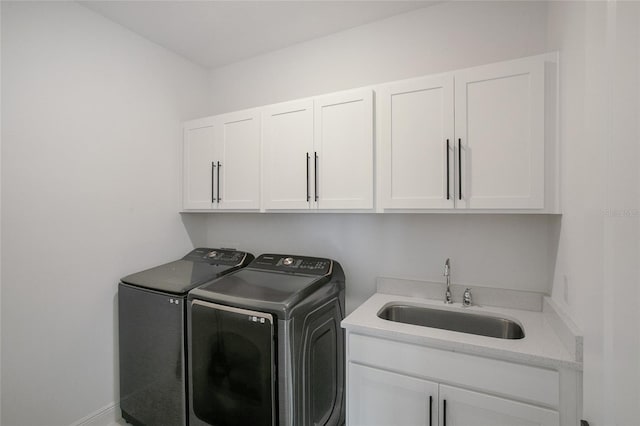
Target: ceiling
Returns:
[[217, 33]]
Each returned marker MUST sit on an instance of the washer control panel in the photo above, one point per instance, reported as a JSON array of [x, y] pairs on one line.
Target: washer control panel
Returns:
[[290, 263], [215, 256]]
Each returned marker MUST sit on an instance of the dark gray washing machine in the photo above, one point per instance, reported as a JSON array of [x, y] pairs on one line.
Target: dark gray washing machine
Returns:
[[152, 338], [266, 347]]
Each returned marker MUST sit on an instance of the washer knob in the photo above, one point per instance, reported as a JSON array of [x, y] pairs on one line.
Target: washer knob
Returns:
[[287, 261]]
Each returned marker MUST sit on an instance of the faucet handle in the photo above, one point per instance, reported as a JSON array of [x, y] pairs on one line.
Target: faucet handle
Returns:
[[447, 297], [466, 297]]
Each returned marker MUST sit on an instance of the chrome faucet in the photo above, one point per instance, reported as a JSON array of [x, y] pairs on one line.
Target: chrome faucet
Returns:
[[466, 297], [447, 294]]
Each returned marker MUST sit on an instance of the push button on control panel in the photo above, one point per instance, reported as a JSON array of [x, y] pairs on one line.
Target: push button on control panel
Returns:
[[314, 265]]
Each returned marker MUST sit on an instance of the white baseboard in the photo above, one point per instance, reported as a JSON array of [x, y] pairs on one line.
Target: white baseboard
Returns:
[[106, 416]]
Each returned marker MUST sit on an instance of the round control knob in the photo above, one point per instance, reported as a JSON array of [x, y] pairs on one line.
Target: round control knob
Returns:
[[287, 261], [212, 254]]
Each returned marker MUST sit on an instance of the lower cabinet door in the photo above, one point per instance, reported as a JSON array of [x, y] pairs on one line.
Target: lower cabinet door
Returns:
[[382, 398], [460, 407]]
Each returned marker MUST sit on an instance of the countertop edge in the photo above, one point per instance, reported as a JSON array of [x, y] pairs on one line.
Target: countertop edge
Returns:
[[356, 323], [453, 346], [565, 328]]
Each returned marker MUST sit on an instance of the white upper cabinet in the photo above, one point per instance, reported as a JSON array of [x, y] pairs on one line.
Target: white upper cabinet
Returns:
[[343, 149], [287, 140], [237, 145], [198, 164], [222, 162], [471, 139], [318, 153], [499, 116], [480, 139], [417, 150]]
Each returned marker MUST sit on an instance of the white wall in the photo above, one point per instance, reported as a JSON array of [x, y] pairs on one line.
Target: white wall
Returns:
[[91, 121], [499, 251], [576, 29], [0, 223], [443, 37], [622, 217], [505, 251], [598, 246]]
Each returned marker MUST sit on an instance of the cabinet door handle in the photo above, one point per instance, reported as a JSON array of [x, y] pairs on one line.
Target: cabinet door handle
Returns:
[[430, 410], [219, 198], [459, 169], [448, 194], [316, 176], [308, 196], [444, 412], [213, 184]]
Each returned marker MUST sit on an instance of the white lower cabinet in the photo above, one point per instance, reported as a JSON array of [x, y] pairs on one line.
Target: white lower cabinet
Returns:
[[462, 407], [399, 384], [382, 398]]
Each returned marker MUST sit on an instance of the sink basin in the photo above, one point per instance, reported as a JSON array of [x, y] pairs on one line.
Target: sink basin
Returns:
[[465, 322]]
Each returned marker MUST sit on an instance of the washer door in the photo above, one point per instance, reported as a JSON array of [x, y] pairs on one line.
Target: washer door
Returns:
[[232, 366]]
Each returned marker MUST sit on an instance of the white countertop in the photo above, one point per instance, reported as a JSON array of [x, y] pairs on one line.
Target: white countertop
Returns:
[[541, 345]]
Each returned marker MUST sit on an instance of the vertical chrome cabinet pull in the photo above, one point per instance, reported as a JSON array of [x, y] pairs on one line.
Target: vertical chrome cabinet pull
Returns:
[[308, 196], [316, 176], [430, 410], [219, 198], [448, 194], [459, 169], [213, 185], [444, 412]]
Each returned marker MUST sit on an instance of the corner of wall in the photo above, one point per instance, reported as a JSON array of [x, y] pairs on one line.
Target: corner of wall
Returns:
[[0, 220]]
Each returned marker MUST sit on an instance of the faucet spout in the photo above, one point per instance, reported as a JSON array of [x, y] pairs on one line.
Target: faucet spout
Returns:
[[447, 273]]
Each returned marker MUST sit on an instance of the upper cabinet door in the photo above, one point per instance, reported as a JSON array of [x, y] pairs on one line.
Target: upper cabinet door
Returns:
[[417, 143], [288, 155], [499, 114], [237, 144], [198, 168], [343, 151]]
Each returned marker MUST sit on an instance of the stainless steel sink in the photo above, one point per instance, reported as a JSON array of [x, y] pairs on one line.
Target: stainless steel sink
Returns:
[[465, 322]]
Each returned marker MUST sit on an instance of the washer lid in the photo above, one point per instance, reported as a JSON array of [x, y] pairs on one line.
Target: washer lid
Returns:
[[196, 268], [260, 289]]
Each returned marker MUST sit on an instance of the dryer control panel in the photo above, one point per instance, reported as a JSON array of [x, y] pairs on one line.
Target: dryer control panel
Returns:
[[215, 256], [292, 263]]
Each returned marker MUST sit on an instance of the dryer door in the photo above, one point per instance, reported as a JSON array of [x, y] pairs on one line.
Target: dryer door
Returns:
[[232, 366]]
